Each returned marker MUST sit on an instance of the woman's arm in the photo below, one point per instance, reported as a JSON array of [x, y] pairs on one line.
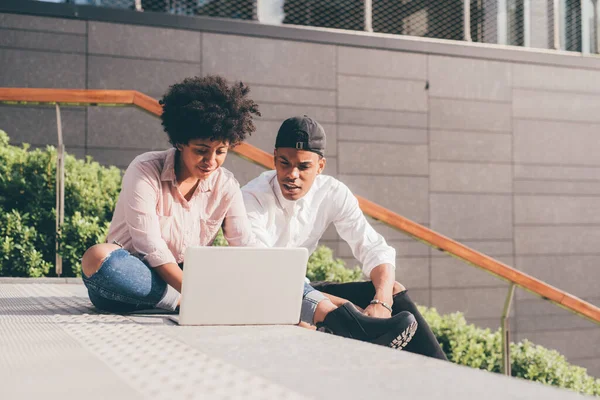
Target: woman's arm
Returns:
[[172, 274], [140, 191], [236, 226]]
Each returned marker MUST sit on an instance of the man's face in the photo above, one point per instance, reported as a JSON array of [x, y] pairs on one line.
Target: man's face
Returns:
[[296, 171]]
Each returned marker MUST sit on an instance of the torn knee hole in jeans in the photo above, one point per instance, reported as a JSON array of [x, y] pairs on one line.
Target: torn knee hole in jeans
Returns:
[[102, 261]]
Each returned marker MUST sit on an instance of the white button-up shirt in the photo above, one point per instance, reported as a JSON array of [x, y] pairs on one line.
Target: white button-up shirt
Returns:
[[278, 222]]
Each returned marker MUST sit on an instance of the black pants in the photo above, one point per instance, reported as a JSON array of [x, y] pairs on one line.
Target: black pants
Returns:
[[361, 293]]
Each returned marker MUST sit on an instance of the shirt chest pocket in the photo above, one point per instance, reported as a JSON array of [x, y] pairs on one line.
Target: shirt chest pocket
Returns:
[[208, 230]]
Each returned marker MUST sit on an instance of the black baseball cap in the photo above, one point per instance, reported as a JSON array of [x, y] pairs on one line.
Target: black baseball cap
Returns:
[[302, 133]]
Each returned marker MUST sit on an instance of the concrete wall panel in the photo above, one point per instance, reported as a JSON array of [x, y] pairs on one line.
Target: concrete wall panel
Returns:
[[356, 116], [382, 134], [469, 115], [381, 63], [37, 69], [382, 159], [472, 216], [144, 42], [285, 95], [34, 23], [381, 94], [404, 195], [150, 77], [470, 177], [37, 125], [551, 142], [42, 41], [563, 106], [557, 240], [469, 79], [125, 128], [555, 78], [274, 62], [557, 210], [469, 146]]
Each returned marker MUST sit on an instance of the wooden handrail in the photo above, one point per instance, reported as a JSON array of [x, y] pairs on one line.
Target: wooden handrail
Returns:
[[260, 157]]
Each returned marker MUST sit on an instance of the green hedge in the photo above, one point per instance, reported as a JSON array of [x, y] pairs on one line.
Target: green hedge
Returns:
[[28, 209], [27, 243]]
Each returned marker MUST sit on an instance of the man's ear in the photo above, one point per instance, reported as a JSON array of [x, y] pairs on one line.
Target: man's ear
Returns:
[[179, 146], [322, 163]]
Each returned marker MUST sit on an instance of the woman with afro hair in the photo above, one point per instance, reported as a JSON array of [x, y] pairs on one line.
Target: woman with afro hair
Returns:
[[173, 199]]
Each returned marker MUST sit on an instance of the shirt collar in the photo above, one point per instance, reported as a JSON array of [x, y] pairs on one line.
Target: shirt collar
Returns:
[[168, 172]]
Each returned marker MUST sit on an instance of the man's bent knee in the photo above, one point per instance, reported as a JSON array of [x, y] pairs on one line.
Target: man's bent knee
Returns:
[[93, 257], [398, 288]]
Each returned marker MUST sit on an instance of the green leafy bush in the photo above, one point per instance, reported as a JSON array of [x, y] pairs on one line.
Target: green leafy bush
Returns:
[[28, 202], [323, 267], [19, 244], [475, 347]]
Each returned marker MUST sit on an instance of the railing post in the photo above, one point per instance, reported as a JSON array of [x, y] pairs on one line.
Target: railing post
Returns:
[[60, 187], [138, 5], [556, 21], [502, 22], [526, 23], [467, 20], [368, 15], [506, 332], [596, 48]]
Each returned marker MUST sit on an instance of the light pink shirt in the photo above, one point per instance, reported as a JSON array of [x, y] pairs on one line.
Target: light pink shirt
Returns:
[[153, 220]]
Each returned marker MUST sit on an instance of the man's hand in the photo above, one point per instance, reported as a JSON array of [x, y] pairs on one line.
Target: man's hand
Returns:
[[377, 311]]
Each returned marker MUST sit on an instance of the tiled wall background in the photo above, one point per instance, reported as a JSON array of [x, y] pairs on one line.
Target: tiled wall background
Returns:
[[502, 156]]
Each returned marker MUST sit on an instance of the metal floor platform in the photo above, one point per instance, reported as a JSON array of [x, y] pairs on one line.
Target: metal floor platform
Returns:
[[54, 345]]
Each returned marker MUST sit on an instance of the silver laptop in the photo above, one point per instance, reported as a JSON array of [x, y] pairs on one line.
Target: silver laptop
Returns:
[[242, 286]]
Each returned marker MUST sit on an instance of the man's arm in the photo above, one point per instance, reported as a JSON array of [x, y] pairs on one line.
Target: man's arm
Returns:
[[383, 278], [369, 247]]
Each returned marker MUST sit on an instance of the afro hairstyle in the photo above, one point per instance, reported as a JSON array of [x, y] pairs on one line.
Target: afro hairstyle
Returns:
[[208, 108]]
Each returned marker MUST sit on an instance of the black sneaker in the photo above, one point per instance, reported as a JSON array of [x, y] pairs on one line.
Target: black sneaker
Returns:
[[348, 322]]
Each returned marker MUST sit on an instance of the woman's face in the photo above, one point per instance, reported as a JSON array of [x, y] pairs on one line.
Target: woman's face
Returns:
[[200, 158]]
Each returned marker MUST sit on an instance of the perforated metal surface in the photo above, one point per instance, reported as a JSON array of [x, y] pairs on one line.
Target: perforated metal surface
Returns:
[[54, 346], [161, 367], [38, 359], [46, 329]]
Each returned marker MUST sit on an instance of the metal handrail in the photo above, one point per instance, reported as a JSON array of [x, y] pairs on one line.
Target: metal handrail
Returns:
[[264, 159]]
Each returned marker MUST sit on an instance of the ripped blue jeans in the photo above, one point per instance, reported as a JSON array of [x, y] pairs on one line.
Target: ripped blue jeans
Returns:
[[124, 283]]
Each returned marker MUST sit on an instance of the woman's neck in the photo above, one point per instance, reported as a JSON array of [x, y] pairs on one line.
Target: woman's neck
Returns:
[[181, 172]]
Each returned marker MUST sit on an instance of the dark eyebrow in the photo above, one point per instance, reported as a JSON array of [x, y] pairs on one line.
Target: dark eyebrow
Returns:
[[306, 163], [283, 158], [202, 145]]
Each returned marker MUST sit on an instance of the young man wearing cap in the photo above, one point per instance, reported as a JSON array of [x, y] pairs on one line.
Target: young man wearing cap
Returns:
[[293, 206]]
